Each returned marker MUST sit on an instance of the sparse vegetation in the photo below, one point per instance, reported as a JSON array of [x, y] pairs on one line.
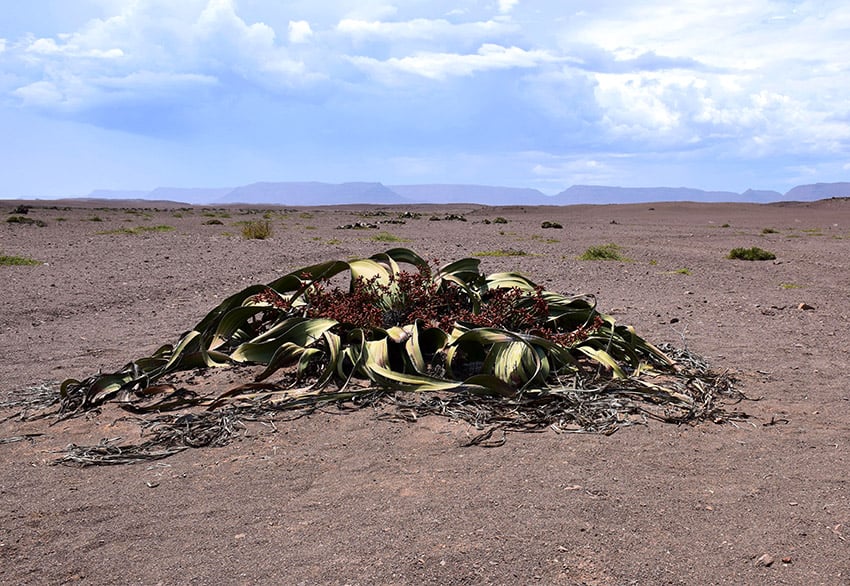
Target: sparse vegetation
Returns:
[[500, 220], [682, 271], [213, 222], [94, 219], [259, 230], [753, 253], [725, 226], [603, 252], [790, 286], [9, 261], [769, 231], [551, 225]]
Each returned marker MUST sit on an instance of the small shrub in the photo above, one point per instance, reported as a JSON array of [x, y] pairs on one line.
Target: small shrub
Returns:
[[682, 271], [554, 225], [257, 230], [9, 261], [213, 222], [95, 219], [769, 231], [754, 253], [725, 226], [500, 220], [22, 210], [603, 252], [26, 221]]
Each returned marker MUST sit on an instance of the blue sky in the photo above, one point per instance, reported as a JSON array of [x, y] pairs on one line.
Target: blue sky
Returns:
[[136, 94]]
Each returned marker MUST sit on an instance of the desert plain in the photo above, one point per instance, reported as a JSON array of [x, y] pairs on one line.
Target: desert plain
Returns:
[[344, 497]]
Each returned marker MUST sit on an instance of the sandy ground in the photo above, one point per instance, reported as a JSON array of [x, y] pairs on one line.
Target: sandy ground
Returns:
[[345, 498]]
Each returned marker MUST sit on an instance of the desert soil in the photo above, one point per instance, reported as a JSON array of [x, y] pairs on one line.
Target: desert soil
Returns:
[[342, 497]]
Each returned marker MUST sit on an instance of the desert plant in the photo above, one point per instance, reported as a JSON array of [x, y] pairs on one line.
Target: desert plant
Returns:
[[213, 222], [500, 220], [603, 252], [551, 225], [25, 220], [769, 231], [753, 253], [257, 230], [494, 350]]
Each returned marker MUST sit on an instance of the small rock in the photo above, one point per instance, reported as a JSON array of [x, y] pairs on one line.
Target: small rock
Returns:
[[765, 561], [786, 560], [805, 307]]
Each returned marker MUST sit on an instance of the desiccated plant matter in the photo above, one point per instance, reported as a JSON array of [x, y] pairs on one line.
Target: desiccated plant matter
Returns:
[[495, 350]]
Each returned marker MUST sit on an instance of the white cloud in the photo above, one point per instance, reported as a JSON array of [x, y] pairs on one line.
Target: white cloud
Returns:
[[2, 45], [505, 6], [440, 66], [422, 28], [299, 31]]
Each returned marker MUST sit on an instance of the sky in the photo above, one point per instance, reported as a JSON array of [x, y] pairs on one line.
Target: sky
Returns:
[[138, 94]]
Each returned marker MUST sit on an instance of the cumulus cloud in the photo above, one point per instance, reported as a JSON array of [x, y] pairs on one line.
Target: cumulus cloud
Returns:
[[439, 66], [299, 31], [422, 28]]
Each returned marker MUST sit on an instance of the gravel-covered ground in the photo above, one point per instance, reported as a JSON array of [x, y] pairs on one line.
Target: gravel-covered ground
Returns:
[[342, 497]]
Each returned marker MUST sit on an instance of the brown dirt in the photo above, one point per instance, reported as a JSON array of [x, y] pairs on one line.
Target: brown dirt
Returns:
[[345, 498]]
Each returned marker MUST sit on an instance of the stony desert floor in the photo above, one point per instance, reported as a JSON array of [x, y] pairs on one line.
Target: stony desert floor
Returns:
[[346, 498]]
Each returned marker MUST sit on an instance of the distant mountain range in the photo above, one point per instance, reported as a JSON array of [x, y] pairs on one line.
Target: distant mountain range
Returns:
[[319, 194]]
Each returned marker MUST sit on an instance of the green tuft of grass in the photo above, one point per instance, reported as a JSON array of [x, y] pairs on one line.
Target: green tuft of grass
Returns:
[[790, 286], [501, 252], [603, 252], [387, 237], [137, 230], [11, 261], [95, 219], [500, 220], [753, 253], [257, 230], [682, 271]]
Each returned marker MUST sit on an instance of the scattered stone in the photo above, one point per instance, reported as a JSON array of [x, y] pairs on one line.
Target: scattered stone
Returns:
[[765, 561], [805, 307], [357, 226], [786, 560]]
